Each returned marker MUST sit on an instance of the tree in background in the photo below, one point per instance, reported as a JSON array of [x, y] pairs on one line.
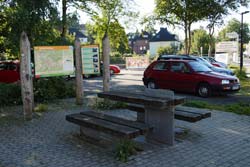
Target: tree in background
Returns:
[[216, 14], [234, 26], [107, 15], [182, 13], [37, 18], [166, 50], [200, 39]]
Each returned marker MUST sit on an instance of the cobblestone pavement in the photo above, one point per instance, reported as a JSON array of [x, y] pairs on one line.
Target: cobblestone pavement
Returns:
[[50, 141]]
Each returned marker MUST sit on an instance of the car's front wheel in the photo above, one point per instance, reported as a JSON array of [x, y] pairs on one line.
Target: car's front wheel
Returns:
[[204, 90], [151, 85]]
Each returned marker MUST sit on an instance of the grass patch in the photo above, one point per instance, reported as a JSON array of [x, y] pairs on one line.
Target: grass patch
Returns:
[[242, 108], [245, 87], [41, 108], [124, 149], [104, 104]]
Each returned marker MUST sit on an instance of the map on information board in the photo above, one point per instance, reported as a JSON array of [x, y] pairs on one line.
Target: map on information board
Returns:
[[53, 60], [90, 59]]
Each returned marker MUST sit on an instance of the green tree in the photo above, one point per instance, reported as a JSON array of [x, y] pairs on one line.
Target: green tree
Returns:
[[216, 14], [36, 18], [106, 17], [182, 13], [200, 39], [166, 50], [234, 26]]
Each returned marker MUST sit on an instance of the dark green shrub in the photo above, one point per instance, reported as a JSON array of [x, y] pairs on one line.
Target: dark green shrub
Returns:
[[10, 94], [46, 89]]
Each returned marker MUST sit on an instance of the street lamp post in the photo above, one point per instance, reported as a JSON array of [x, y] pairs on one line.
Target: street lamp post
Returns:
[[241, 40]]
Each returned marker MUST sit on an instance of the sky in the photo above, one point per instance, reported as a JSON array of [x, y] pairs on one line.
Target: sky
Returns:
[[146, 7]]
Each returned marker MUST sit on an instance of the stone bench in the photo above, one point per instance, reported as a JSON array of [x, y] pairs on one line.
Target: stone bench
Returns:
[[181, 113], [97, 125]]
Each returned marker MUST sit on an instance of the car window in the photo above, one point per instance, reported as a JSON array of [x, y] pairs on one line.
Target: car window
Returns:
[[179, 67], [199, 67], [161, 66], [3, 66], [12, 67]]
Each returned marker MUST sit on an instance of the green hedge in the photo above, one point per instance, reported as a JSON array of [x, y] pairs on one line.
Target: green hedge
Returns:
[[45, 89], [10, 94]]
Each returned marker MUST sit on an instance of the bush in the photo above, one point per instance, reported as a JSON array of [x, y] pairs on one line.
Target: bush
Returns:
[[166, 50], [46, 89], [10, 94], [241, 75]]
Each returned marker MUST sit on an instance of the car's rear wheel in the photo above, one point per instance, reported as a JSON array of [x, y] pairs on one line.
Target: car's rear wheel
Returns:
[[204, 90], [151, 85]]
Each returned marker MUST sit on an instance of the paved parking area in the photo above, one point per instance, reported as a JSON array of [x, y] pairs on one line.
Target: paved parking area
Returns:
[[49, 141]]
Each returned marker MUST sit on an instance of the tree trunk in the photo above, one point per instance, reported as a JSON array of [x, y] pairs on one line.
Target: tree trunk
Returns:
[[186, 39], [64, 18], [189, 39], [78, 73], [106, 60], [26, 77], [211, 32]]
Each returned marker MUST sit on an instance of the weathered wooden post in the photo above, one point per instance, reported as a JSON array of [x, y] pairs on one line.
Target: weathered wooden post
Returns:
[[79, 80], [106, 60], [26, 77]]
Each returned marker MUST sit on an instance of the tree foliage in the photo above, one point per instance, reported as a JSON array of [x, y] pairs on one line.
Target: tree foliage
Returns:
[[167, 50], [234, 26], [178, 12], [200, 39], [185, 13], [37, 18]]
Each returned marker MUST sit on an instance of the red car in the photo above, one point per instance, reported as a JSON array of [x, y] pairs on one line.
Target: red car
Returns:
[[188, 76], [114, 69], [9, 71]]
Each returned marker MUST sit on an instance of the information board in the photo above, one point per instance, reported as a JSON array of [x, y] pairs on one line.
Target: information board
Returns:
[[53, 61], [90, 59]]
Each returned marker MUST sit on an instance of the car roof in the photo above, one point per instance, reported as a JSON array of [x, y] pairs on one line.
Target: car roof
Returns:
[[175, 60], [179, 57]]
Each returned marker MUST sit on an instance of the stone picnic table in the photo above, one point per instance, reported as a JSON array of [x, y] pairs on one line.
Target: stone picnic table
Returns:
[[159, 110]]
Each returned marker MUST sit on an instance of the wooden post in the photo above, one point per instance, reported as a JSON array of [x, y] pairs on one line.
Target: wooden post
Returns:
[[78, 72], [106, 60], [26, 77]]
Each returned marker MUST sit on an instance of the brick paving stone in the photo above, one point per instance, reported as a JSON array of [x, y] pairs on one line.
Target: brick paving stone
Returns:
[[50, 141]]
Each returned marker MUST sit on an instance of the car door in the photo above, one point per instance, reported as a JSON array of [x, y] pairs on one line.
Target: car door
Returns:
[[3, 72], [160, 74], [9, 72], [181, 77]]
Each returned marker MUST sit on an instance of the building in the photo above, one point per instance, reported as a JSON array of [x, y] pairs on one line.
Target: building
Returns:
[[78, 33], [162, 39], [139, 43]]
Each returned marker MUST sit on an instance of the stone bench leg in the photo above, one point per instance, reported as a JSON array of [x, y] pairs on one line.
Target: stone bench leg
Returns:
[[162, 121], [141, 117]]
